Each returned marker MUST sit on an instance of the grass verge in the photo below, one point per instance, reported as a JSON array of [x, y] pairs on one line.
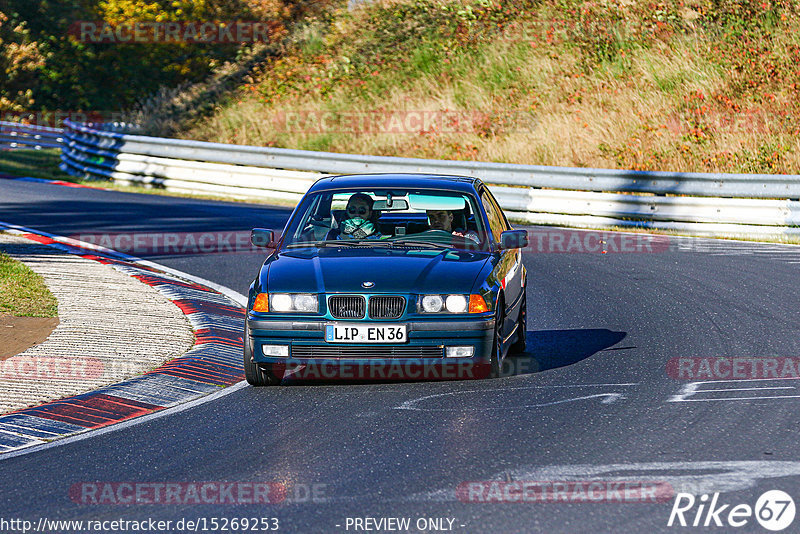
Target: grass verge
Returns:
[[23, 292], [33, 163]]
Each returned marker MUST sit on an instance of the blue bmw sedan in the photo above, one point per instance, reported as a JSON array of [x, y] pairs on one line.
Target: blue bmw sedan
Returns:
[[387, 276]]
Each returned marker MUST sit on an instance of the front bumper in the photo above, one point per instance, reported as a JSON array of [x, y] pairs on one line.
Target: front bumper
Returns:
[[421, 357]]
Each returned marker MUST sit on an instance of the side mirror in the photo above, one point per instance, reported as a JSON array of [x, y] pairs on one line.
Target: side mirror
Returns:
[[511, 239], [261, 237]]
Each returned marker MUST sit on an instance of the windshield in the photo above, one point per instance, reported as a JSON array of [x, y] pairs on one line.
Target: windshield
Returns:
[[412, 218]]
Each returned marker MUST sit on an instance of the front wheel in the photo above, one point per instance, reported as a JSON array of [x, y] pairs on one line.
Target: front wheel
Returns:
[[520, 344], [255, 375], [497, 345]]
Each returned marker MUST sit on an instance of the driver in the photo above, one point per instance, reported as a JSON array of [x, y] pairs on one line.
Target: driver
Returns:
[[359, 224], [443, 220]]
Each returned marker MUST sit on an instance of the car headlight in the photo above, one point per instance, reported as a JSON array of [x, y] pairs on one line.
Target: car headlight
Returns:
[[293, 302], [456, 303], [443, 304], [432, 303]]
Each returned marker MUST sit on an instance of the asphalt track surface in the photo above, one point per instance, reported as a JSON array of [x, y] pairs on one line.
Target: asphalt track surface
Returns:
[[592, 399]]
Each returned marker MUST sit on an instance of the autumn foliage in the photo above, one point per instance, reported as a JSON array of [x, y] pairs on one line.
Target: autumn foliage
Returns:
[[697, 85], [48, 67]]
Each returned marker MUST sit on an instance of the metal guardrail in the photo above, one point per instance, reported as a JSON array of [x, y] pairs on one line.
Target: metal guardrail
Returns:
[[708, 204], [17, 135]]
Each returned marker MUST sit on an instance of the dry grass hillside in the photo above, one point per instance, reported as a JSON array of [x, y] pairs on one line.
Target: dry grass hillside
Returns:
[[710, 85]]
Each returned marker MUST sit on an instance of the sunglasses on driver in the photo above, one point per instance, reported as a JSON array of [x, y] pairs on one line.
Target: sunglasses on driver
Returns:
[[357, 211]]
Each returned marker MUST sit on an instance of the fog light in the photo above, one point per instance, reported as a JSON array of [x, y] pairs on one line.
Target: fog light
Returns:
[[277, 351], [459, 352]]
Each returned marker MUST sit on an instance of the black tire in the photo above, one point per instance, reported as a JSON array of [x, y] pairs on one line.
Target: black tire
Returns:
[[520, 344], [254, 373], [496, 357]]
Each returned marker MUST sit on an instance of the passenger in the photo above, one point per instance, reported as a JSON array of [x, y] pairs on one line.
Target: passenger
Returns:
[[359, 223], [443, 220]]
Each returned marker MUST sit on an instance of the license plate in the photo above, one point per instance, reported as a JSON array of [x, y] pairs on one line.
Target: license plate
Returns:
[[365, 333]]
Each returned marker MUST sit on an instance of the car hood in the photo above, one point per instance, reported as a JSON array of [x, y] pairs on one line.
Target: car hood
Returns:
[[333, 270]]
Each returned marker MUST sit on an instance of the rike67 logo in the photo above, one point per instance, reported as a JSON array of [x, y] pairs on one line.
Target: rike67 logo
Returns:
[[774, 510]]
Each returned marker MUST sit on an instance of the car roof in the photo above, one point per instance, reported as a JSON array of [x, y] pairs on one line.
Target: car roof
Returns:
[[466, 184]]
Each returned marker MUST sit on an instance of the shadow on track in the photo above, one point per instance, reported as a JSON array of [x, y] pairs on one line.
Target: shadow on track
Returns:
[[547, 349], [551, 349]]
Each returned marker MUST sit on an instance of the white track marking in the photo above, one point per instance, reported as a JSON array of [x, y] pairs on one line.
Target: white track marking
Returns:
[[608, 398], [692, 388], [742, 398], [744, 389]]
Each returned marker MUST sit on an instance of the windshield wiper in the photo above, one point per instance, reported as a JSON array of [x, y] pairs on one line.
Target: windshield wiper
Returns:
[[345, 243], [319, 244], [418, 243]]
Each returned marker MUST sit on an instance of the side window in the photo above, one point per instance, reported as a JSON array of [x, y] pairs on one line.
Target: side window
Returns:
[[506, 226], [497, 222]]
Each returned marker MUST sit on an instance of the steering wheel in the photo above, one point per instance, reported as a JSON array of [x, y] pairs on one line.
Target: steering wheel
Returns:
[[313, 221], [445, 237], [434, 235]]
